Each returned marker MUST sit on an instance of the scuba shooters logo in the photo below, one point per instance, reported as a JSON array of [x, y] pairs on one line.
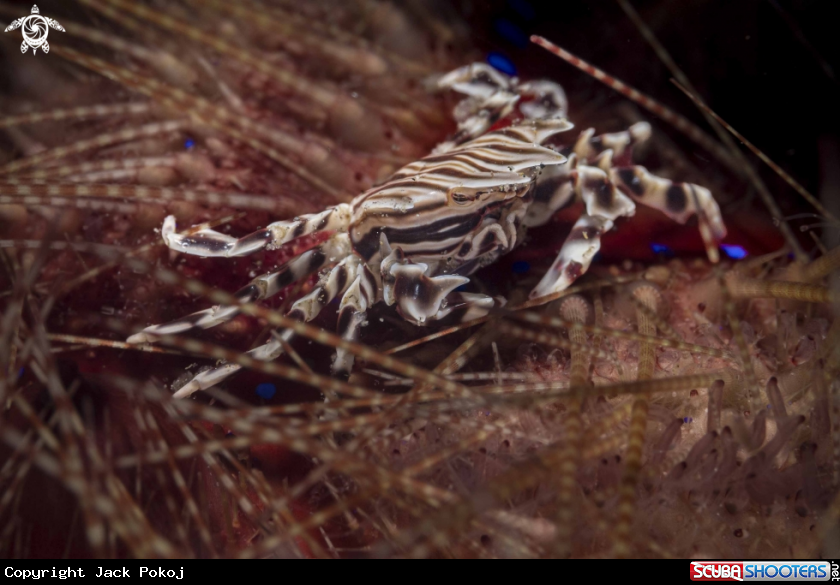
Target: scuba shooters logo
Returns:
[[764, 571], [34, 29]]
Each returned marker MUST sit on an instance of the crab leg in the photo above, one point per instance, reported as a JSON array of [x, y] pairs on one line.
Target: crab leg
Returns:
[[208, 242], [575, 256], [306, 308], [585, 175], [491, 96], [676, 200], [358, 297], [260, 288], [468, 306], [589, 147]]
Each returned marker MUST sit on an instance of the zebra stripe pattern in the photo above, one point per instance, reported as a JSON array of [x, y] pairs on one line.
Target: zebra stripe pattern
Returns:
[[430, 206]]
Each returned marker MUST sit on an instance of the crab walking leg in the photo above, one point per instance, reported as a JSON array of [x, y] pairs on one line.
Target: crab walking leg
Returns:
[[208, 242], [560, 185], [676, 200], [468, 306], [260, 288], [575, 256], [352, 311], [585, 174], [589, 147], [306, 308], [492, 95]]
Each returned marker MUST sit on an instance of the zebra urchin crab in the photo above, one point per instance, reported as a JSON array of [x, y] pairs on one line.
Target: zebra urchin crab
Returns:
[[642, 413], [411, 241]]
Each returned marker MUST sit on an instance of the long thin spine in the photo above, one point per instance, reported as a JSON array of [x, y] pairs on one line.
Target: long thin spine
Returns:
[[651, 298], [125, 135], [78, 113], [683, 125], [576, 310], [357, 59], [141, 418], [554, 340], [763, 191], [320, 94], [204, 113], [781, 172], [661, 324], [141, 538], [740, 341], [330, 30], [220, 474], [57, 194], [110, 9], [676, 120], [713, 121], [537, 319], [452, 363], [573, 290], [753, 288], [433, 336], [165, 64], [100, 166], [822, 266], [299, 443]]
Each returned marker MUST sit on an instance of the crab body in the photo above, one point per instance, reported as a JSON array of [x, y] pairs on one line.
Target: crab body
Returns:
[[412, 241]]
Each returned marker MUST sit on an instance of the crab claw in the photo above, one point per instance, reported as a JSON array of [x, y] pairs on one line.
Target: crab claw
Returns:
[[418, 296], [475, 80]]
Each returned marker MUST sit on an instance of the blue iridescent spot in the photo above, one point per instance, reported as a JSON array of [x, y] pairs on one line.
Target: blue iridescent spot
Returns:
[[20, 372], [511, 32], [189, 143], [687, 419], [660, 249], [520, 267], [266, 390], [502, 63], [733, 251]]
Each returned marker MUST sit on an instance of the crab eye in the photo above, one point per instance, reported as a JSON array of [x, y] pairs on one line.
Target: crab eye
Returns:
[[463, 198]]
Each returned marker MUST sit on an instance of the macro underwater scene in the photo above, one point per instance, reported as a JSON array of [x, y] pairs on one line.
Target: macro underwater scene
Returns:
[[680, 399]]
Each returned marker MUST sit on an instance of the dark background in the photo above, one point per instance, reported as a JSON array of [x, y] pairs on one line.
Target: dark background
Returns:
[[768, 67]]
